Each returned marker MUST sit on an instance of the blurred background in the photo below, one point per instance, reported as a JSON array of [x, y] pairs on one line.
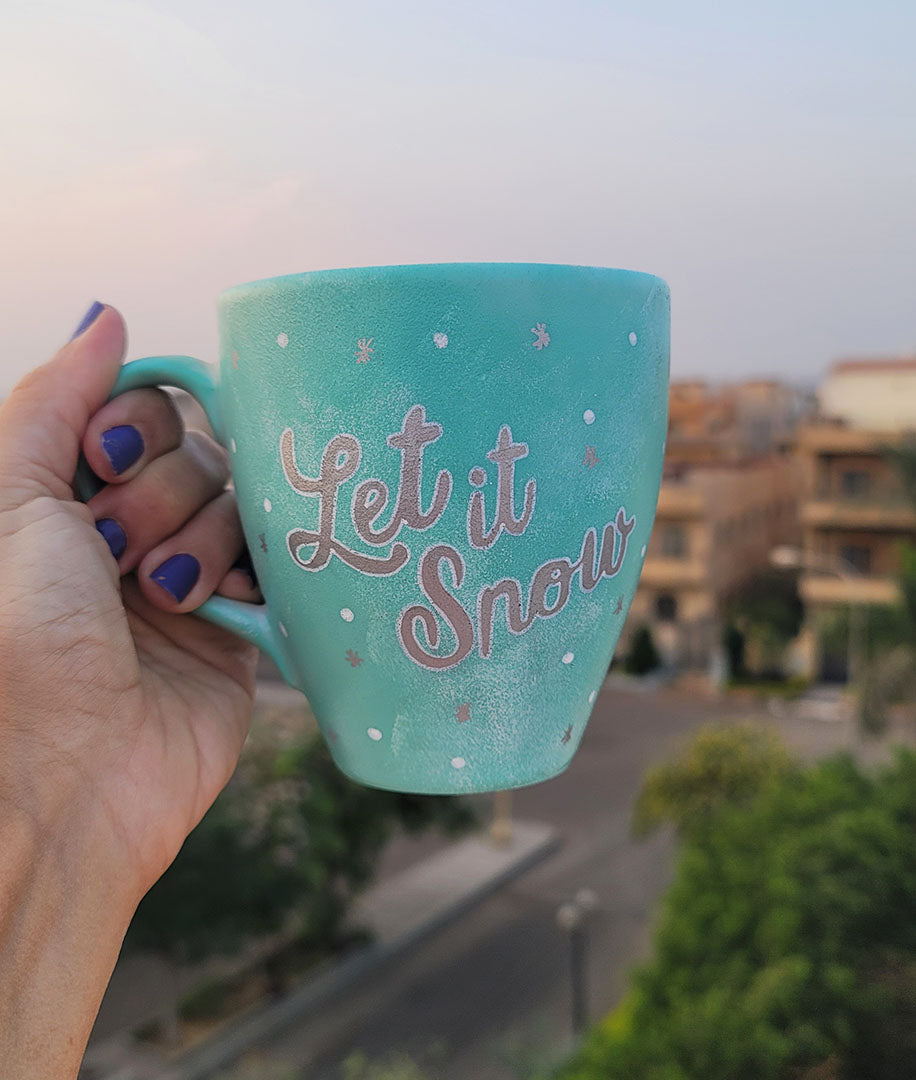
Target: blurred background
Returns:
[[724, 882]]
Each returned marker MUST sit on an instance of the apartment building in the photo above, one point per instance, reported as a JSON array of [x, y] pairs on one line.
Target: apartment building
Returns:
[[728, 496], [854, 511]]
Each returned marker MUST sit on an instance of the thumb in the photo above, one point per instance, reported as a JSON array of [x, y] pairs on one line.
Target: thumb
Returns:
[[43, 420]]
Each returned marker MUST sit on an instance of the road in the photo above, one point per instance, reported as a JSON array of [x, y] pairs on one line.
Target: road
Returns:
[[491, 992]]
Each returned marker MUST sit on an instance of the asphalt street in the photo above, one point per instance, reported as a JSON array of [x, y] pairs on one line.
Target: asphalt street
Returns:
[[491, 994]]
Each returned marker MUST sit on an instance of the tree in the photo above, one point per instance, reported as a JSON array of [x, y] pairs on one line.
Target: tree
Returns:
[[723, 766], [786, 948], [289, 833], [890, 674], [643, 656], [768, 613]]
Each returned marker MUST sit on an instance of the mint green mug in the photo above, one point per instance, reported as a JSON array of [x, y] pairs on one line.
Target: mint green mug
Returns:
[[447, 477]]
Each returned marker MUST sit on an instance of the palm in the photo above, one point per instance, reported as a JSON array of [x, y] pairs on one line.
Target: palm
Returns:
[[152, 706]]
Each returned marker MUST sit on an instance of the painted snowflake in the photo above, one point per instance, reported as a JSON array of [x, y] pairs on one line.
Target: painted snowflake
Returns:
[[263, 540], [567, 735], [619, 606], [363, 350], [543, 338], [353, 658], [463, 712], [591, 459]]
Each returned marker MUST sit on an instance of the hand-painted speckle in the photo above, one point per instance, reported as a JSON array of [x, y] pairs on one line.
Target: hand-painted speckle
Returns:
[[632, 337], [458, 763], [592, 697], [643, 551], [283, 629], [268, 505], [567, 735], [374, 734], [441, 340], [568, 657], [346, 614], [588, 416], [232, 445], [283, 340]]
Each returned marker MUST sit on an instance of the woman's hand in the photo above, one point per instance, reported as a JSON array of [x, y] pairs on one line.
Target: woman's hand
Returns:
[[121, 717]]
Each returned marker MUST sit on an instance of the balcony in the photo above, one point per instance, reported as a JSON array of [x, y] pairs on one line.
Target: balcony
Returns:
[[659, 572], [678, 500], [828, 589], [893, 514]]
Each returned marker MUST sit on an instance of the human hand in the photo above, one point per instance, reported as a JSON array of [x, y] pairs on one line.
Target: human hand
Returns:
[[121, 717]]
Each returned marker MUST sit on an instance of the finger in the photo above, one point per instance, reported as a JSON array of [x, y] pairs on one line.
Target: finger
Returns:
[[241, 582], [43, 420], [129, 432], [137, 516], [180, 573]]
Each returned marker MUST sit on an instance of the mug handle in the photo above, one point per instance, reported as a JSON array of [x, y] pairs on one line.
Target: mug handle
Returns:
[[249, 621]]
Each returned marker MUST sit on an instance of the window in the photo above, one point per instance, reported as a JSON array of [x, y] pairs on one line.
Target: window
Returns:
[[857, 556], [666, 607], [674, 541], [855, 484]]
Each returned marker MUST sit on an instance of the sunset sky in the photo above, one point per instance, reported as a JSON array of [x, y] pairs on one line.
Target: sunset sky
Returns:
[[760, 157]]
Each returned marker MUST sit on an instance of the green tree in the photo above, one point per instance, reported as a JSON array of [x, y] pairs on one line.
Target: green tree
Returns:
[[722, 766], [768, 613], [643, 656], [890, 674], [786, 948], [289, 833]]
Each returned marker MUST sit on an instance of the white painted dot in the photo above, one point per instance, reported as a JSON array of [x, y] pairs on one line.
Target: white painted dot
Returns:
[[441, 340], [588, 416], [643, 552], [283, 630], [632, 338], [592, 696], [283, 340], [374, 734], [232, 445], [268, 505], [346, 614], [568, 657], [458, 763]]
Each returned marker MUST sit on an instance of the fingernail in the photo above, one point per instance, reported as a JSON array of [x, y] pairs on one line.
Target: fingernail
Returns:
[[115, 536], [123, 445], [243, 563], [177, 575], [88, 319]]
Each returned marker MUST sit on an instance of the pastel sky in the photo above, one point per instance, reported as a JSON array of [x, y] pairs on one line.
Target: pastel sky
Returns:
[[761, 157]]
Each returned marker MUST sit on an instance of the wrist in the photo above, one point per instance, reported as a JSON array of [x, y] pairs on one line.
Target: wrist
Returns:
[[63, 915]]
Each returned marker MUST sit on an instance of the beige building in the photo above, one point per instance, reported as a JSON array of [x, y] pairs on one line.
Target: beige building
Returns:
[[854, 510], [876, 395], [714, 529]]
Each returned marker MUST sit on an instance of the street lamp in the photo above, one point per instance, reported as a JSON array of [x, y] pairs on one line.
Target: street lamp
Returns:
[[573, 918], [786, 557]]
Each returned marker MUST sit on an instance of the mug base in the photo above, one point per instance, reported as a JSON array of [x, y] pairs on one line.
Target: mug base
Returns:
[[463, 784]]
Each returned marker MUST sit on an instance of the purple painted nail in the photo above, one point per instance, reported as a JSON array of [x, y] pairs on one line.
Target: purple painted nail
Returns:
[[123, 445], [115, 536], [88, 319], [177, 575]]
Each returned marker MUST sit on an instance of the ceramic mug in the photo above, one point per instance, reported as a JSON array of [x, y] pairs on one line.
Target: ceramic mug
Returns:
[[447, 476]]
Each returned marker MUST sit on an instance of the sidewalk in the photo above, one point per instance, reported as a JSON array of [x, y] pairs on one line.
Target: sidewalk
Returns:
[[399, 912]]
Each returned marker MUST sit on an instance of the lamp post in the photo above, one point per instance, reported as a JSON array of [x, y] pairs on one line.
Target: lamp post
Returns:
[[786, 557], [573, 918]]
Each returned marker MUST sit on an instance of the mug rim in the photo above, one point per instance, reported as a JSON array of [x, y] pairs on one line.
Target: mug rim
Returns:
[[458, 267]]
